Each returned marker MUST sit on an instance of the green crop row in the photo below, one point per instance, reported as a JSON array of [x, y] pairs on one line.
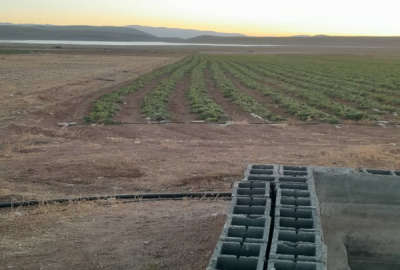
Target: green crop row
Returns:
[[300, 110], [361, 99], [246, 102], [312, 95], [200, 102], [105, 107], [155, 104]]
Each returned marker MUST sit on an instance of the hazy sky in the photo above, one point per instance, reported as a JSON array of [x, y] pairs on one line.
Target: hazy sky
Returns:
[[252, 17]]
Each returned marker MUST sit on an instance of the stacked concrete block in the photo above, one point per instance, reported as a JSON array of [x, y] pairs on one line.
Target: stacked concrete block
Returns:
[[275, 212], [244, 240], [297, 237]]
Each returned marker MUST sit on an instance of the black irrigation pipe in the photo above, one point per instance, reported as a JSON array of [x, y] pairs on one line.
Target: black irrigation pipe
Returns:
[[391, 124], [138, 197]]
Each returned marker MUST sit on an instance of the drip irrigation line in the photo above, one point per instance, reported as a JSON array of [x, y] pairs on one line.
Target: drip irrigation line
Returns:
[[138, 197], [390, 124]]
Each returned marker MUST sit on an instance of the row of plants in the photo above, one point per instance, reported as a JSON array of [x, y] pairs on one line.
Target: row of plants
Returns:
[[380, 74], [361, 98], [312, 95], [200, 101], [104, 108], [246, 102], [291, 105], [343, 75], [155, 104]]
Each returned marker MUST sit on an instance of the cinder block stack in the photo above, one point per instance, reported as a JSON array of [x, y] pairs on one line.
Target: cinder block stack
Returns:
[[244, 240], [275, 208]]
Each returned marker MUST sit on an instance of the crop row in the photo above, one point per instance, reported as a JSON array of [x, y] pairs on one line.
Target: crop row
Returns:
[[104, 108], [201, 103], [380, 75], [361, 98], [343, 75], [246, 102], [155, 104], [300, 110], [313, 95]]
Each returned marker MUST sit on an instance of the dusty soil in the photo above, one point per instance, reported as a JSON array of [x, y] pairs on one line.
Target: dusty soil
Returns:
[[33, 82], [39, 160], [140, 235]]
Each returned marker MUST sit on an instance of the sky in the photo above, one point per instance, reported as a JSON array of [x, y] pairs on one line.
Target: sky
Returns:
[[250, 17]]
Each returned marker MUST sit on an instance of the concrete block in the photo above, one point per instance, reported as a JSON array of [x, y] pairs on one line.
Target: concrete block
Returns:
[[378, 172], [250, 206], [266, 173], [238, 256], [252, 221], [295, 198], [251, 188], [260, 177], [295, 171], [297, 218], [247, 234], [292, 185], [251, 210], [293, 179], [294, 168], [271, 167], [298, 245], [291, 265], [397, 173], [303, 236]]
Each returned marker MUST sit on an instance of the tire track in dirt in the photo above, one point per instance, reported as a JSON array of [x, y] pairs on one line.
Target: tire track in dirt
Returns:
[[232, 110], [178, 103]]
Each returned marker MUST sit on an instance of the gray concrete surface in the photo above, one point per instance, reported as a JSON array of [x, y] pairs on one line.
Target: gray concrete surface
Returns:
[[360, 216]]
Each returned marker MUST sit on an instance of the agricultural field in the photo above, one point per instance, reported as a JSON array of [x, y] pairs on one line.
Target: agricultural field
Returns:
[[259, 88], [44, 156]]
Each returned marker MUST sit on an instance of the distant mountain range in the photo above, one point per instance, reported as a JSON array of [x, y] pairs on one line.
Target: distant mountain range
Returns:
[[143, 33], [87, 33], [102, 33], [165, 32]]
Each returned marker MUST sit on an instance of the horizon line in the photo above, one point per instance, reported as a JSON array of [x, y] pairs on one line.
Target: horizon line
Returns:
[[208, 30]]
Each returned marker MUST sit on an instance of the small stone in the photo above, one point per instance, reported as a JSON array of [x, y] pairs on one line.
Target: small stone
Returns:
[[256, 116], [66, 124]]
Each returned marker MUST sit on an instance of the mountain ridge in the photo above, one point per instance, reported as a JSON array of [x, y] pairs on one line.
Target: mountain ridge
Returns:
[[129, 34], [170, 32]]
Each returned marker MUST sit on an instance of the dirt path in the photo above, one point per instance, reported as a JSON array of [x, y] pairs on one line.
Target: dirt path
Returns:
[[179, 105], [233, 111]]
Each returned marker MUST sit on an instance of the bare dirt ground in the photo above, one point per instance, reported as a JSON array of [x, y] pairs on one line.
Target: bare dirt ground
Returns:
[[33, 82], [140, 235], [39, 160]]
